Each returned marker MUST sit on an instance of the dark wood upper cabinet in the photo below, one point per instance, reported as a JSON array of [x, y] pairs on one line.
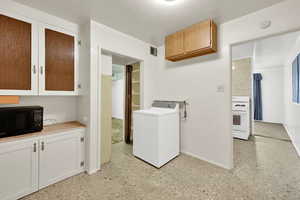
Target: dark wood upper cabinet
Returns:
[[196, 40], [59, 61], [15, 54]]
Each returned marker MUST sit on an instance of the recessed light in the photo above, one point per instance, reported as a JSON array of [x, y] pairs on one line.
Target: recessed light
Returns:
[[265, 24], [169, 2]]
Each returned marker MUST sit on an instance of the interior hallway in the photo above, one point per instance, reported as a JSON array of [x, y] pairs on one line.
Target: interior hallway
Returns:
[[270, 130], [264, 169], [117, 130]]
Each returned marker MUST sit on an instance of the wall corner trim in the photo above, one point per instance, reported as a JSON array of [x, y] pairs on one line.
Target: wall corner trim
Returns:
[[292, 139], [206, 160]]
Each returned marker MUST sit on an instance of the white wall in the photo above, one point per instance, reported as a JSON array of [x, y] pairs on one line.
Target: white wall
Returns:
[[105, 38], [118, 87], [56, 109], [272, 89], [207, 132], [242, 51], [292, 110]]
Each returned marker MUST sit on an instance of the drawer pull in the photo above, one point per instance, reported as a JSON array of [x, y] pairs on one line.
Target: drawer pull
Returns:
[[34, 147], [43, 146]]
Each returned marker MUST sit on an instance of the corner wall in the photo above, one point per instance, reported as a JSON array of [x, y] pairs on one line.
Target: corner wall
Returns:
[[206, 83], [292, 110], [272, 89], [105, 38]]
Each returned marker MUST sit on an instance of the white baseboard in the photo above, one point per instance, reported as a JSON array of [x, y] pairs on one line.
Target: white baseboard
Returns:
[[207, 160], [292, 139], [90, 172]]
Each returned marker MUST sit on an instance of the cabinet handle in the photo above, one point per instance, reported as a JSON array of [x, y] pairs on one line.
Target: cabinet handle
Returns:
[[34, 147], [43, 146], [34, 69], [41, 70]]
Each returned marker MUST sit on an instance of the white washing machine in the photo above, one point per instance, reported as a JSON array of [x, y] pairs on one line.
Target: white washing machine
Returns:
[[156, 133]]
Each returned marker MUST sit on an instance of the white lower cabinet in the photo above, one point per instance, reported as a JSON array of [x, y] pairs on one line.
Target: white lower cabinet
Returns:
[[60, 158], [29, 165], [18, 169]]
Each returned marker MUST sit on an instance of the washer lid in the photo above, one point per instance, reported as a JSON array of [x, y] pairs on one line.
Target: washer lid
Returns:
[[157, 111]]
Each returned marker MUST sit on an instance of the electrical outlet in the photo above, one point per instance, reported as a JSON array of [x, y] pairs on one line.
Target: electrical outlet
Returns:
[[85, 119]]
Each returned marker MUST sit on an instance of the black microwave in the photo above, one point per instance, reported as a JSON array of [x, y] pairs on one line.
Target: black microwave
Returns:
[[20, 120]]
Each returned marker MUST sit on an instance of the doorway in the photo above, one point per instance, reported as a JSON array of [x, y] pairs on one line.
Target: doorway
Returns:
[[262, 72], [120, 97], [265, 112]]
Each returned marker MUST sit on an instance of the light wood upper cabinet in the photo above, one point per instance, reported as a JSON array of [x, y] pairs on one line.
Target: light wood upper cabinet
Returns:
[[174, 44], [198, 39], [197, 36]]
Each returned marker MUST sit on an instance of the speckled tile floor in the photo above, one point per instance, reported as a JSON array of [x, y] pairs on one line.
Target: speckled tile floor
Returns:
[[264, 169], [271, 130], [117, 130]]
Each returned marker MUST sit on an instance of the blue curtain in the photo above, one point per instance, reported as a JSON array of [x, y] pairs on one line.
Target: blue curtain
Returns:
[[295, 79], [257, 77]]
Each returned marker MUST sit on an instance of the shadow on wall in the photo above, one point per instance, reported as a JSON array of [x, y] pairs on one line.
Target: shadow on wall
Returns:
[[192, 61]]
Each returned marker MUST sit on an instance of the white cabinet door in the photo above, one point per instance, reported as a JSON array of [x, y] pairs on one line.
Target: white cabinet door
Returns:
[[60, 157], [18, 169], [14, 27], [58, 61]]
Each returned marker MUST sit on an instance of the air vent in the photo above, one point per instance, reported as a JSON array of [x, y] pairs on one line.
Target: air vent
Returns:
[[153, 51]]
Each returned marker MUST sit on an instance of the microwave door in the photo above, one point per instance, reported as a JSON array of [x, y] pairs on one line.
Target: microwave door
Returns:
[[7, 124], [22, 121]]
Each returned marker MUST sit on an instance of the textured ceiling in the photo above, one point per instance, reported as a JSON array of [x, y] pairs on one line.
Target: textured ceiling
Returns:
[[268, 52], [148, 20]]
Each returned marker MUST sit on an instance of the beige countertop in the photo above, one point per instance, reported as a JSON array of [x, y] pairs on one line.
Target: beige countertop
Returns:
[[48, 130]]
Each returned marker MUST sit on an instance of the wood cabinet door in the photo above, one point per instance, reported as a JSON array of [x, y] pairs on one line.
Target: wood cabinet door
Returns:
[[174, 45], [19, 169], [18, 53], [197, 36], [57, 62], [60, 157]]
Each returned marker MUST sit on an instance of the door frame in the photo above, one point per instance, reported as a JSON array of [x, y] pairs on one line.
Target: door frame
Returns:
[[128, 104], [93, 147]]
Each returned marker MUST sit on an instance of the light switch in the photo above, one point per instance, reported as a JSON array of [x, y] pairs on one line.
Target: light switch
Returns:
[[220, 88]]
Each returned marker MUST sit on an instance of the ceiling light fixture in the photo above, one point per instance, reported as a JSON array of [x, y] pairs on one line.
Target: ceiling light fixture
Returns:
[[169, 2]]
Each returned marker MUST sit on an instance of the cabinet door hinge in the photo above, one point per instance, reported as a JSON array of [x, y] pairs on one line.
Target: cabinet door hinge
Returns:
[[82, 139], [82, 164]]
